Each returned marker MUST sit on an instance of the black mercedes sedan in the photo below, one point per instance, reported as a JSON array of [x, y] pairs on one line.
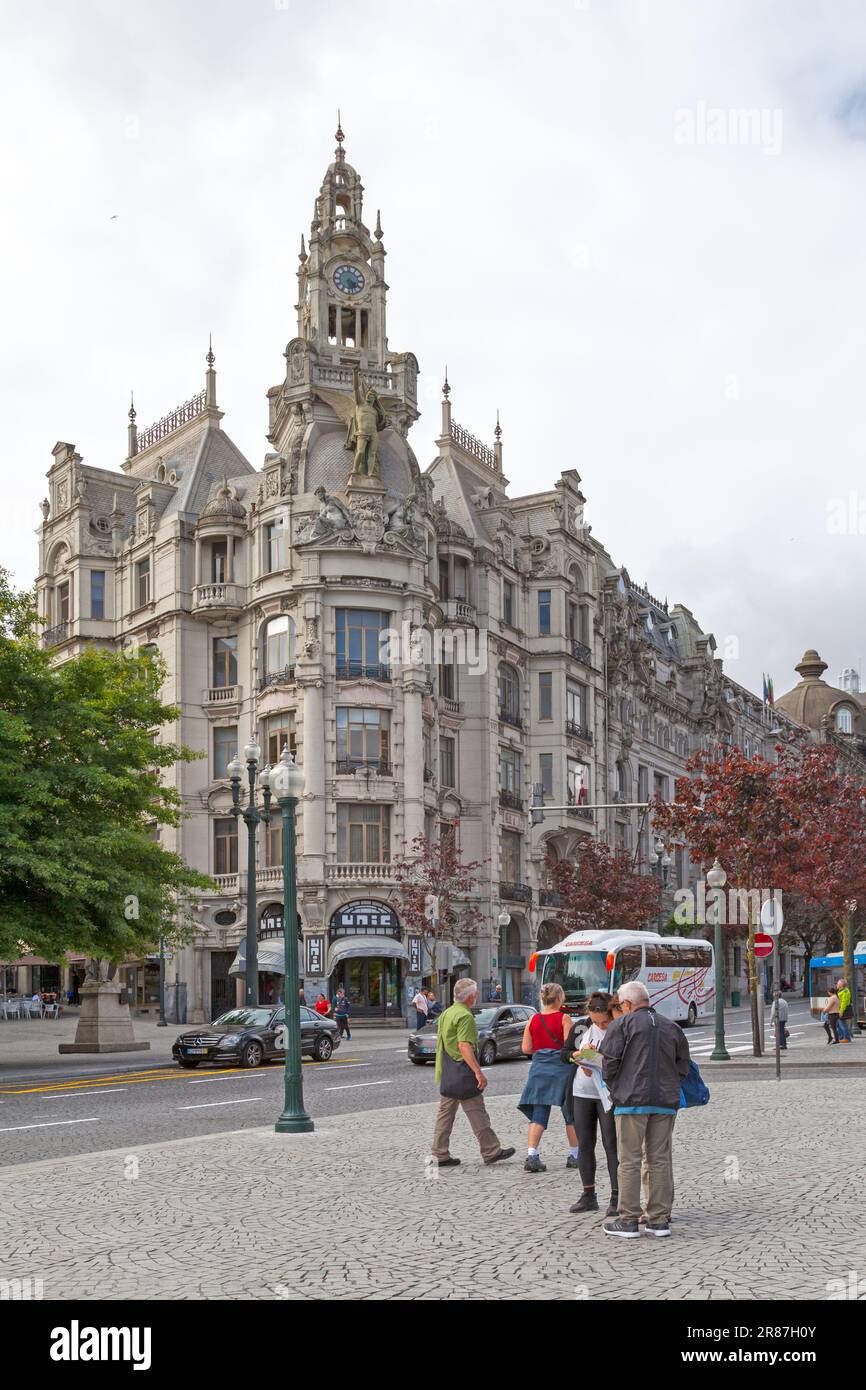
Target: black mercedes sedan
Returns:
[[500, 1033], [250, 1036]]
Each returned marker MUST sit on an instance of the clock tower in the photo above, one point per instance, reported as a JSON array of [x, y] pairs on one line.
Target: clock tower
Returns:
[[341, 279], [341, 312]]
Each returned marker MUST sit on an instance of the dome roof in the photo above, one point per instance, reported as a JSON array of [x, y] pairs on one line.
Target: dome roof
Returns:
[[224, 506], [813, 699]]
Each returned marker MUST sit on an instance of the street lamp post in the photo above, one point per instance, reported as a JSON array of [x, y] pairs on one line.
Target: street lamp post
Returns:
[[504, 923], [850, 964], [252, 816], [161, 1023], [717, 878], [287, 784], [660, 857]]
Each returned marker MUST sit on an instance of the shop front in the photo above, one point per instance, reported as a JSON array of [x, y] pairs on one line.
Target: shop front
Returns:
[[368, 959], [271, 956]]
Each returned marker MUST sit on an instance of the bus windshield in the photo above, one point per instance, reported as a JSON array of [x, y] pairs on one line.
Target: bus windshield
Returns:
[[580, 973]]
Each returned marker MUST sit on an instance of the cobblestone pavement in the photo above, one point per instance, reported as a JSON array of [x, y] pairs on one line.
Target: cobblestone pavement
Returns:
[[767, 1208]]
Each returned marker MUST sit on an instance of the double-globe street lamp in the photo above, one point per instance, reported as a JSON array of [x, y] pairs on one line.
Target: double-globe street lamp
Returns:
[[717, 878], [252, 817], [659, 857], [286, 783]]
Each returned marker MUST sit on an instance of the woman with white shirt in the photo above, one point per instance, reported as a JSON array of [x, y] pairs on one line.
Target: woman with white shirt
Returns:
[[585, 1106]]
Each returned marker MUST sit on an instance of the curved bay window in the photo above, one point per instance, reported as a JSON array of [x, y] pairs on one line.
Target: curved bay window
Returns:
[[363, 739], [363, 833], [509, 695], [278, 731], [277, 651], [362, 643]]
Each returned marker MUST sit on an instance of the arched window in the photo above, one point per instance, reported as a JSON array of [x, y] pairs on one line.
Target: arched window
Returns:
[[277, 661], [843, 721], [509, 694]]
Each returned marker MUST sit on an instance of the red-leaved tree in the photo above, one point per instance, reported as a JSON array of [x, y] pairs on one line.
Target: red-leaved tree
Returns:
[[601, 891], [831, 874], [749, 813], [436, 888]]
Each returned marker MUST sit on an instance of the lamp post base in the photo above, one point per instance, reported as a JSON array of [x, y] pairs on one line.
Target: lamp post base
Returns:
[[290, 1123], [719, 1054]]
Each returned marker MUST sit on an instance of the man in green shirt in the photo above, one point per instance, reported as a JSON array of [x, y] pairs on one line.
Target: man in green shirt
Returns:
[[846, 1012], [458, 1036]]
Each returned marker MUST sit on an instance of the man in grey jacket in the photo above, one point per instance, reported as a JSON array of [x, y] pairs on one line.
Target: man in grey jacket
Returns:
[[645, 1059]]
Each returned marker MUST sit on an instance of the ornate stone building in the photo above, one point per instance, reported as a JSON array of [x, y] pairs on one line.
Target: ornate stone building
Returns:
[[431, 648]]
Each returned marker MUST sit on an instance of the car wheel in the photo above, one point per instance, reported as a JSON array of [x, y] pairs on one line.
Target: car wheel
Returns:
[[487, 1055], [418, 1061], [322, 1049], [693, 1016], [252, 1055], [186, 1064]]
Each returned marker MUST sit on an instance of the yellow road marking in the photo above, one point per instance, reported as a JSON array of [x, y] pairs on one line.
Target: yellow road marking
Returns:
[[174, 1073]]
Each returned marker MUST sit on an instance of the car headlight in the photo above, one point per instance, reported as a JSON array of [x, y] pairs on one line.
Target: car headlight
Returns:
[[229, 1040]]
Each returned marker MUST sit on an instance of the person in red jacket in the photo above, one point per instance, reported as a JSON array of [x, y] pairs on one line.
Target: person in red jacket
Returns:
[[323, 1006]]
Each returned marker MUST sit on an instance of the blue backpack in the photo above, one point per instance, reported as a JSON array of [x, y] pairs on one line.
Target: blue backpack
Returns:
[[694, 1090]]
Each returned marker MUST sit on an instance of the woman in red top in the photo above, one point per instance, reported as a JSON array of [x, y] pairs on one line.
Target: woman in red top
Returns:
[[323, 1006], [543, 1038]]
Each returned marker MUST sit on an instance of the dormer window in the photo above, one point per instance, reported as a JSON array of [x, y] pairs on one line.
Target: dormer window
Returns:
[[844, 723]]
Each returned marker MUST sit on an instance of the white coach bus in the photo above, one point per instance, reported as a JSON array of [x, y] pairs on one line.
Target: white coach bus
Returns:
[[677, 970]]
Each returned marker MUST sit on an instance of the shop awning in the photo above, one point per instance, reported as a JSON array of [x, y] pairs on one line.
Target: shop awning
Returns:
[[271, 959], [448, 957], [350, 947]]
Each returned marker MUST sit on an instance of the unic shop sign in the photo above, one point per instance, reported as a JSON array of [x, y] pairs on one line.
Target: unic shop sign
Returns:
[[361, 917]]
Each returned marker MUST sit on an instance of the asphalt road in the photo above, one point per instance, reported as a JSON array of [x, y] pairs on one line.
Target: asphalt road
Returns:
[[58, 1109]]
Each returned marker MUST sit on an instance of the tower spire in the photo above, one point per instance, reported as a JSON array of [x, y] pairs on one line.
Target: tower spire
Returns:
[[378, 232], [132, 431], [446, 406], [210, 376], [339, 137]]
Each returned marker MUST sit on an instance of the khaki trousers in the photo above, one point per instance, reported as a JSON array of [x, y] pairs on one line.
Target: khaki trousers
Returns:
[[476, 1113], [650, 1136]]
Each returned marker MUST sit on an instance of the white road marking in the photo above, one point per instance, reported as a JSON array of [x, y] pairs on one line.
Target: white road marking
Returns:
[[209, 1104], [47, 1124], [354, 1086], [248, 1076], [70, 1095]]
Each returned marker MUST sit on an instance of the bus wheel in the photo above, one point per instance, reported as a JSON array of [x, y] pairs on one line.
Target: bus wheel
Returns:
[[693, 1016]]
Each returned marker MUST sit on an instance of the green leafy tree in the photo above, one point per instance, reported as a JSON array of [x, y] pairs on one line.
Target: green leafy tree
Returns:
[[81, 797]]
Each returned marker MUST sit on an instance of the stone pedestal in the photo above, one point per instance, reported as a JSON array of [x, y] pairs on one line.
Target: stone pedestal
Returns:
[[105, 1024]]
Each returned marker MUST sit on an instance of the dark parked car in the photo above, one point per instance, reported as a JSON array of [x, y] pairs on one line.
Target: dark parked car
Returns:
[[250, 1036], [500, 1033]]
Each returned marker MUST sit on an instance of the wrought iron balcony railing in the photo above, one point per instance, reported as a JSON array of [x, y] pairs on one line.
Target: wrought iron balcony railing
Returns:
[[515, 892]]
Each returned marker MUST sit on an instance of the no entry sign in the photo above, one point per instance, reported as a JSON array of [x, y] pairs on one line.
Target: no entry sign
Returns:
[[763, 945]]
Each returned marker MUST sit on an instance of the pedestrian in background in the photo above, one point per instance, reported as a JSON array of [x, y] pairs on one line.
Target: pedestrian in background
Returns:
[[645, 1061], [421, 1006], [588, 1106], [846, 1011], [779, 1020], [341, 1013], [434, 1006], [543, 1039], [323, 1006], [832, 1023], [461, 1080]]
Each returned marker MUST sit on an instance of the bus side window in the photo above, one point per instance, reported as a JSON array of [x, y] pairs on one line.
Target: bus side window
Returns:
[[653, 955], [628, 964]]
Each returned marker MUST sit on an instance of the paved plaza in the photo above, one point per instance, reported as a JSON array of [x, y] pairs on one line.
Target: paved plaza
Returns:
[[768, 1207]]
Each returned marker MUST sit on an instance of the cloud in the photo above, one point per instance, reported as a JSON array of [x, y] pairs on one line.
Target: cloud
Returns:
[[681, 322]]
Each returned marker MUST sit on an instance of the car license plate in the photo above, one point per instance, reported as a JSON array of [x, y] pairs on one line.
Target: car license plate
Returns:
[[196, 1051]]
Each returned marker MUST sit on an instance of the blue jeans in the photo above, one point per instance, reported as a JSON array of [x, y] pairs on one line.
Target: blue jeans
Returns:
[[843, 1030]]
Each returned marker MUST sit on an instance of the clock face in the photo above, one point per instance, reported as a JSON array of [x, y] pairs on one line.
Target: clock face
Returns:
[[348, 279]]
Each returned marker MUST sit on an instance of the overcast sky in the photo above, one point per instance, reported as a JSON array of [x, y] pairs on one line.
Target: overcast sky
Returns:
[[653, 290]]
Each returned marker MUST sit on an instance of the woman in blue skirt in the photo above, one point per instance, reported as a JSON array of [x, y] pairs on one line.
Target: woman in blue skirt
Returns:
[[543, 1039]]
